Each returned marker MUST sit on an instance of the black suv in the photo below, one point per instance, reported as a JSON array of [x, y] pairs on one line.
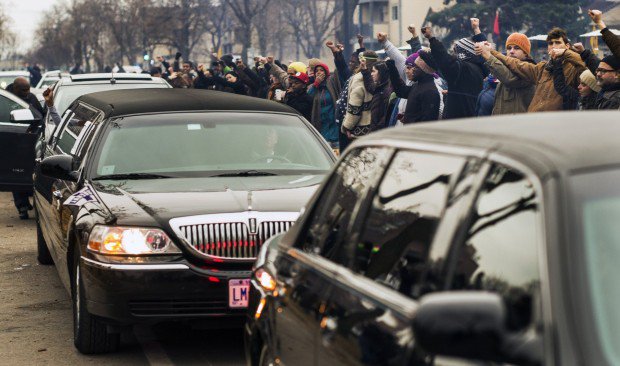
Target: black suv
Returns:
[[471, 241], [153, 204]]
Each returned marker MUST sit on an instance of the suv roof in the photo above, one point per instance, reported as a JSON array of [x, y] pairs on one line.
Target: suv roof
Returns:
[[109, 76], [138, 101]]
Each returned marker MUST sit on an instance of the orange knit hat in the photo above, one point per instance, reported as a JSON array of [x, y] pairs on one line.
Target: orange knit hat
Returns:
[[519, 39]]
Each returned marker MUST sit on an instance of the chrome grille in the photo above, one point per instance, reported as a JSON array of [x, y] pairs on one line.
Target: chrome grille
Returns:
[[229, 236]]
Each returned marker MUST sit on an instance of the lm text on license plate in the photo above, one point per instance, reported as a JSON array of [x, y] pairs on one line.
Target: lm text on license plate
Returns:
[[238, 292]]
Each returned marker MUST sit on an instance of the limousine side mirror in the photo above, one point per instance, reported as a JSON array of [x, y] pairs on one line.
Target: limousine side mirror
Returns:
[[59, 167], [22, 116], [471, 325]]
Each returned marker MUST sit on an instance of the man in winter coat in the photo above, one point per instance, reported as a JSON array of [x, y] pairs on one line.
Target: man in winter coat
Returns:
[[325, 91], [422, 96], [297, 97], [608, 77], [464, 72], [21, 88], [357, 120], [546, 98], [513, 94]]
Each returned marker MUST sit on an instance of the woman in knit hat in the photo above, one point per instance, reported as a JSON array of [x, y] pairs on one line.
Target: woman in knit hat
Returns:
[[325, 89]]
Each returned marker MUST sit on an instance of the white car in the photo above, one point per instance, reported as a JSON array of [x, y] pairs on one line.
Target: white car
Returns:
[[7, 77]]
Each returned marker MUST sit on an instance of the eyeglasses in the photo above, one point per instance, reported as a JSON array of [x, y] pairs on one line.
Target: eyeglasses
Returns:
[[603, 71]]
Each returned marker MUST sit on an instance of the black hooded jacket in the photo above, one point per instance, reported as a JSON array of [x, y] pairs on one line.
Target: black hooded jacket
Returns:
[[423, 98], [465, 81]]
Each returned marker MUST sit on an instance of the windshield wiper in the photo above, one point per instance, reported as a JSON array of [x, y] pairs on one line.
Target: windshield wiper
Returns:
[[246, 173], [130, 176]]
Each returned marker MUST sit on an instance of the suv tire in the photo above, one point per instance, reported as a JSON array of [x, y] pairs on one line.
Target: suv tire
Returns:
[[90, 334]]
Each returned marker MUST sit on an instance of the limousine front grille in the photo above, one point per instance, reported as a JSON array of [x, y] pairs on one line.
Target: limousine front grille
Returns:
[[231, 236]]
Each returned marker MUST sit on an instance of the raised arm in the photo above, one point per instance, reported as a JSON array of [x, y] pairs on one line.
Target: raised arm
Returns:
[[523, 70], [570, 95], [414, 42], [341, 64], [612, 40], [393, 53], [498, 69], [399, 86]]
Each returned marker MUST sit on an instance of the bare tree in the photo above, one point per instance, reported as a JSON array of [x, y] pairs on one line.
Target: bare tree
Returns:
[[219, 23], [312, 22], [246, 11]]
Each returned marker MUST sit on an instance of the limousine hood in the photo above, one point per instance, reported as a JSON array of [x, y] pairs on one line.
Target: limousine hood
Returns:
[[154, 202]]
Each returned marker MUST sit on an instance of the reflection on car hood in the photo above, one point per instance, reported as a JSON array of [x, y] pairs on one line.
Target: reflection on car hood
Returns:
[[155, 201]]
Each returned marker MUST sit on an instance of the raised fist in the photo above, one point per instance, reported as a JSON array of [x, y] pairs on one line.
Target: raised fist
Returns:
[[475, 23], [382, 37], [332, 46], [411, 28], [596, 16], [360, 40], [578, 47]]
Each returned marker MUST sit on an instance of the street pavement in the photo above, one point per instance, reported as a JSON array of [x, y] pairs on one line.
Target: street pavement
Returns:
[[36, 326]]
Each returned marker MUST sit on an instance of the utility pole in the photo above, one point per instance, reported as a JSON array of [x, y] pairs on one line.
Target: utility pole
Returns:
[[347, 20]]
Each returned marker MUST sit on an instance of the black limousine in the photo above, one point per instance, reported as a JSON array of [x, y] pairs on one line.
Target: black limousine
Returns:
[[487, 241], [153, 204]]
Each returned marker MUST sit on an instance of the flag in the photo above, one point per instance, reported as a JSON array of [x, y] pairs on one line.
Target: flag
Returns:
[[496, 24]]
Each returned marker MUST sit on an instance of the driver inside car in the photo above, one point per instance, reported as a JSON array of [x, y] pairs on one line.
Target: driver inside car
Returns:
[[268, 152]]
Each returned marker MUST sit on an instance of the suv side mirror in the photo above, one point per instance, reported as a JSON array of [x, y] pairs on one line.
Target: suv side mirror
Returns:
[[59, 167], [472, 325], [22, 115]]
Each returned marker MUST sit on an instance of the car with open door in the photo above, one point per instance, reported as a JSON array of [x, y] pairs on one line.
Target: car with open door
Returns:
[[17, 143], [488, 241], [153, 203]]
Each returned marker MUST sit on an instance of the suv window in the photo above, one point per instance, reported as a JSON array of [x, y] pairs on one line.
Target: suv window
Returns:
[[403, 217], [331, 217], [6, 106], [500, 251]]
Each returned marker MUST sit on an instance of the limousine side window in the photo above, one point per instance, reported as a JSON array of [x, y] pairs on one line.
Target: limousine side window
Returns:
[[500, 253], [331, 218], [72, 129], [402, 220]]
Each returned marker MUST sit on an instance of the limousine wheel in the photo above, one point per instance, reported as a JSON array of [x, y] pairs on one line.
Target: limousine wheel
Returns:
[[43, 254], [90, 334]]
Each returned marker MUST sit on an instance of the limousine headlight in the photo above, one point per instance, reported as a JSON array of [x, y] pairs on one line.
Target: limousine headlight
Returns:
[[116, 240]]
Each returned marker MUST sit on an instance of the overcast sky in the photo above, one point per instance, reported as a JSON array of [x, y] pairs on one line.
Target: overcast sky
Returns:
[[25, 16]]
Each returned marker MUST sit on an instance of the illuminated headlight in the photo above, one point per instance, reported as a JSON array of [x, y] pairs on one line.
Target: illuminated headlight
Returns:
[[266, 280], [115, 240]]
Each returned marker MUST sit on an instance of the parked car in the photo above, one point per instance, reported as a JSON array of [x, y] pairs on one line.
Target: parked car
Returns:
[[7, 77], [50, 78], [461, 242], [16, 144], [154, 203]]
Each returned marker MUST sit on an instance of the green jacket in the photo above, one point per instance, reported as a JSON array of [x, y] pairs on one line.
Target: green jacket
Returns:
[[513, 95]]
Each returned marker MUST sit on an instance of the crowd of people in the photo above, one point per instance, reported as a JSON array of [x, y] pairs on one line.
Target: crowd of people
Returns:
[[365, 93]]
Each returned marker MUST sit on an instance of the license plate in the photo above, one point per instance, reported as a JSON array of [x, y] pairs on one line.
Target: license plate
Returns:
[[238, 292]]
